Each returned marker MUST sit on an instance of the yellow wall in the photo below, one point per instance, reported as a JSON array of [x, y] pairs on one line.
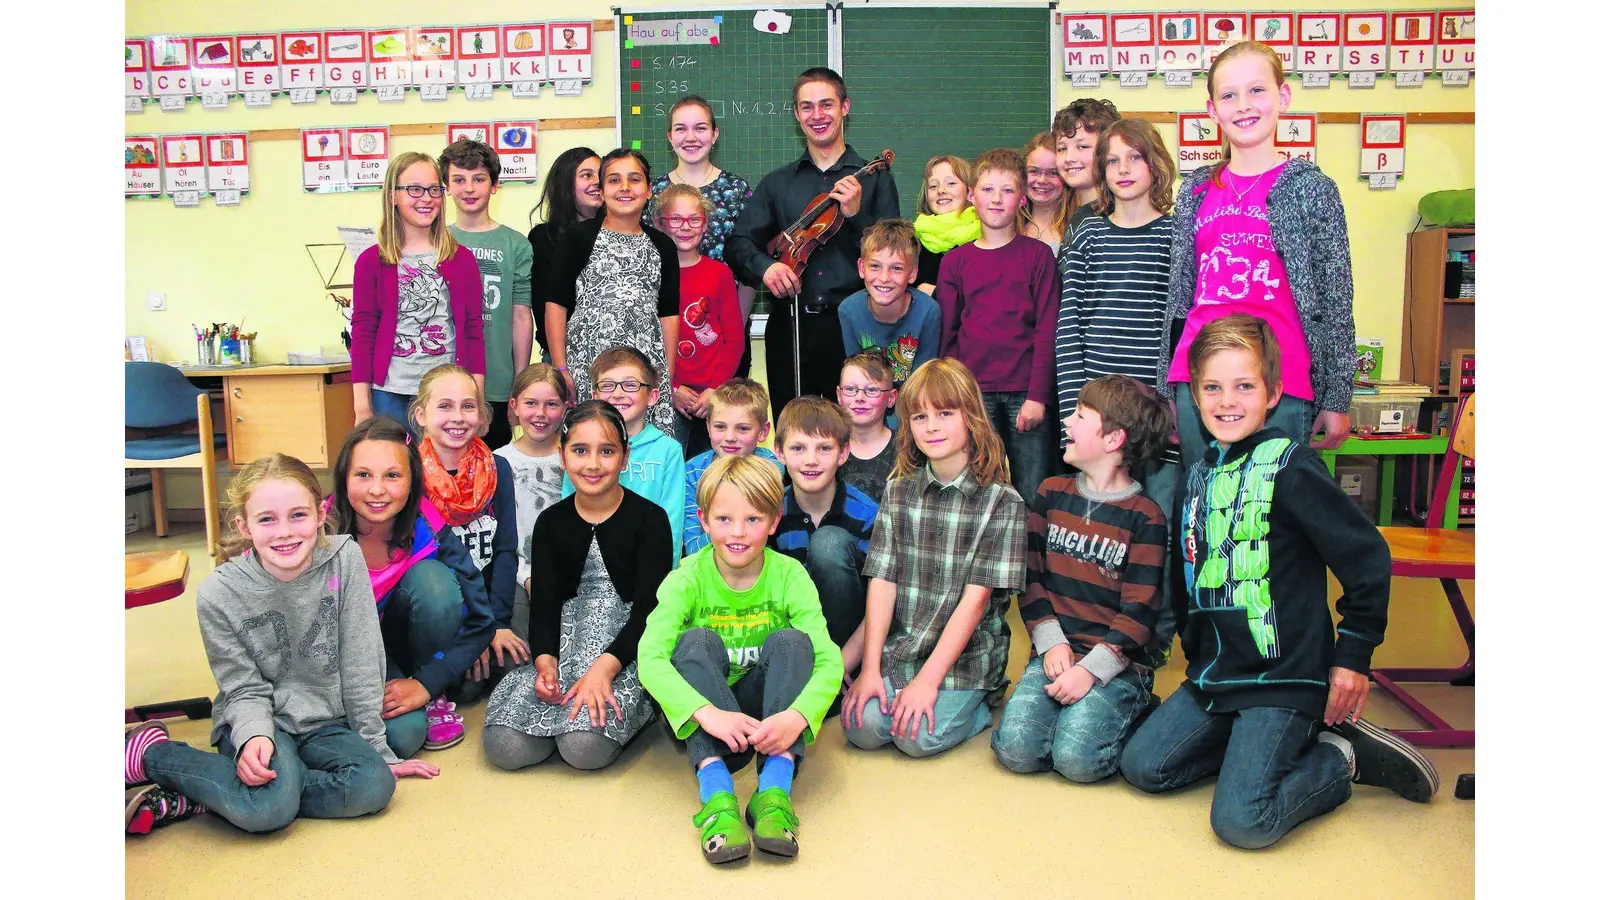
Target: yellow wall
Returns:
[[225, 264]]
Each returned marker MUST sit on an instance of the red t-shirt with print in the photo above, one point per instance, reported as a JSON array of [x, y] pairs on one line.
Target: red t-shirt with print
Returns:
[[711, 328]]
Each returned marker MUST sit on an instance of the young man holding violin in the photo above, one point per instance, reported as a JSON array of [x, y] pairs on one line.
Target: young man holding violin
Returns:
[[827, 169]]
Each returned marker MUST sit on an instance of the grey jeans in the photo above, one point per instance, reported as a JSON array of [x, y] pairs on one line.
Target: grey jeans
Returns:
[[768, 688]]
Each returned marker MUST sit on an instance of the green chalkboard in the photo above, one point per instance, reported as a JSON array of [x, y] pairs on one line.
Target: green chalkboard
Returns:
[[958, 80], [748, 76]]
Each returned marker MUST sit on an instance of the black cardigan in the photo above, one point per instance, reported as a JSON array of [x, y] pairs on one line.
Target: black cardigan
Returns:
[[577, 246], [636, 545]]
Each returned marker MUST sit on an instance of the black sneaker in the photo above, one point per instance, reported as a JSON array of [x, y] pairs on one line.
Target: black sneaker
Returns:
[[1385, 760]]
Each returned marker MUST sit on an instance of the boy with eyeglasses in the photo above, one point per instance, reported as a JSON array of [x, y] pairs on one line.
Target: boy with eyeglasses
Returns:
[[867, 393], [711, 337], [624, 378], [737, 412], [889, 314]]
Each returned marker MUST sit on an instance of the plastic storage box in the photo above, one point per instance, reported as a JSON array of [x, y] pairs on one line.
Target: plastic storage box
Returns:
[[1358, 477], [1384, 414]]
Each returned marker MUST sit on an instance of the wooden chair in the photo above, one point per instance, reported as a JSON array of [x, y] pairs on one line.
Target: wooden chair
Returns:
[[152, 578], [1434, 552], [157, 398]]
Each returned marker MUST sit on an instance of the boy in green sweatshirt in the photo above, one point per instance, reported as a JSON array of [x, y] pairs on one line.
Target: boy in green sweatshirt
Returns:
[[738, 656]]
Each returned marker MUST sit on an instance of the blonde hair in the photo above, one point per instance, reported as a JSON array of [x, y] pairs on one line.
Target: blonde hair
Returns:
[[1058, 223], [958, 167], [756, 480], [391, 233], [741, 393], [1239, 331], [675, 192], [268, 468], [425, 392], [816, 417], [898, 236], [948, 384], [1233, 52], [1001, 159], [1142, 138], [872, 364], [538, 373]]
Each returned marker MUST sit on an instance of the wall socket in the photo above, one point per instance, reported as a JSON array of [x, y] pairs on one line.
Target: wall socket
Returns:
[[155, 302]]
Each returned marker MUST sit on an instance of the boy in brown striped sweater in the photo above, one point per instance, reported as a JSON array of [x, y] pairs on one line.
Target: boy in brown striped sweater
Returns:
[[1096, 550]]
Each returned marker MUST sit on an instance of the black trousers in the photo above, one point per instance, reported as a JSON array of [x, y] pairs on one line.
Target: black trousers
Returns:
[[821, 354]]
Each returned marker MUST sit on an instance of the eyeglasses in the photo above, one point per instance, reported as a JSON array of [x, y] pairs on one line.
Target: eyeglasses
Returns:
[[871, 392], [1036, 173], [417, 190], [628, 387], [680, 221]]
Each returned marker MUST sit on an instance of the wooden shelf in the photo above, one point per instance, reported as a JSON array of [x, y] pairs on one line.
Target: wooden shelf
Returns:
[[1460, 299]]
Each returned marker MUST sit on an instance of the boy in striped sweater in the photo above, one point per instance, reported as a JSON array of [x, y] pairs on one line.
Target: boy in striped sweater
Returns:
[[1096, 550]]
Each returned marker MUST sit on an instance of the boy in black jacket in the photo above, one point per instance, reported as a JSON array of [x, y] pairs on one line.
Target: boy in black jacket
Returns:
[[1273, 699]]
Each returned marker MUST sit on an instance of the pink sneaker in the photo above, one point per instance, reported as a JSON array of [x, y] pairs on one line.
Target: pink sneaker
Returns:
[[445, 728]]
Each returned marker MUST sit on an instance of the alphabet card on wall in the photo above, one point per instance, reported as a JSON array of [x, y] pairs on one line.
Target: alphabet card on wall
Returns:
[[1133, 43], [471, 131], [1411, 36], [389, 70], [571, 56], [1178, 48], [322, 156], [1086, 50], [344, 70], [1220, 31], [171, 79], [301, 69], [1383, 149], [140, 165], [1458, 52], [1317, 54], [135, 73], [516, 142], [214, 76], [183, 169], [366, 155], [227, 167], [1199, 141], [1297, 136], [1276, 30], [258, 68], [1366, 38], [433, 61], [522, 60], [478, 60]]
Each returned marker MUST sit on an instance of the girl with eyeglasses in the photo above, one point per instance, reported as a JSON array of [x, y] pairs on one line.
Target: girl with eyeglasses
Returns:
[[711, 336], [417, 303]]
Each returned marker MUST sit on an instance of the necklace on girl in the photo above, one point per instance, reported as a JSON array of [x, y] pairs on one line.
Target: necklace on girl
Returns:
[[1233, 184]]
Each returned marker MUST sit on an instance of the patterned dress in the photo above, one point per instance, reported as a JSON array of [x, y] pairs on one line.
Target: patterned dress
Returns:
[[589, 623], [727, 192], [616, 306]]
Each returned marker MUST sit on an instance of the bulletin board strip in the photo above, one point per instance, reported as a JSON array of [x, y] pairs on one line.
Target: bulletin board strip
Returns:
[[433, 128], [1169, 117]]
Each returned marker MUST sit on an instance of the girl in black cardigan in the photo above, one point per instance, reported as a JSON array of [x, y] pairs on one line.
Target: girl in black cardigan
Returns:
[[598, 557]]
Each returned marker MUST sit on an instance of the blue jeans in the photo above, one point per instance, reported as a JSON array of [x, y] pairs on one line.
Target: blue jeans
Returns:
[[1292, 415], [1029, 452], [834, 560], [1272, 773], [1083, 741], [1161, 482], [330, 773], [388, 403], [422, 616], [957, 716]]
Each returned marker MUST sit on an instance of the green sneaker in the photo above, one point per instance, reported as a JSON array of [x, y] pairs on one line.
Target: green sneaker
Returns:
[[722, 836], [771, 814]]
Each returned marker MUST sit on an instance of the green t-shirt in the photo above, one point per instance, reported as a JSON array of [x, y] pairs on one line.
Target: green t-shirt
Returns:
[[505, 260], [695, 596]]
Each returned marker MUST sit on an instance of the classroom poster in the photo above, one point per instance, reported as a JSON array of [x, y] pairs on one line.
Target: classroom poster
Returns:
[[1458, 36], [141, 168], [1411, 35], [1220, 30], [1297, 136], [301, 67], [390, 57], [1133, 42], [183, 168], [1178, 42], [1366, 35], [322, 155], [366, 155], [345, 59], [522, 54], [258, 63], [1199, 141], [471, 131], [1317, 48], [227, 162], [135, 69], [169, 67], [516, 143], [570, 51], [478, 54], [1383, 144], [214, 58], [1276, 30], [433, 56], [1086, 45]]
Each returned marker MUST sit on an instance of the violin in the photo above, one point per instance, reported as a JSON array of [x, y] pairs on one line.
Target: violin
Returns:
[[820, 221]]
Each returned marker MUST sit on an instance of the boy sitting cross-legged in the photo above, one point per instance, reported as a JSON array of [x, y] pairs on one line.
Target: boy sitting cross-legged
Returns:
[[738, 424], [826, 523], [738, 656], [1096, 547]]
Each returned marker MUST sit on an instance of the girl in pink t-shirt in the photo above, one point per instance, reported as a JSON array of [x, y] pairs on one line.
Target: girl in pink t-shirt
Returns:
[[1265, 237]]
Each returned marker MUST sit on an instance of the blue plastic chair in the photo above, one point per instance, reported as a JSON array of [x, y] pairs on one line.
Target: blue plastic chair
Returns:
[[158, 397]]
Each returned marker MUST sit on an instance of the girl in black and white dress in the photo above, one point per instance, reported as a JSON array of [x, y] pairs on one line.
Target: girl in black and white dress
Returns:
[[616, 285]]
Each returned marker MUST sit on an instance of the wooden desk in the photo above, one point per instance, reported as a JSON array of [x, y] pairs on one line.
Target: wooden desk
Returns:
[[303, 411], [1386, 450]]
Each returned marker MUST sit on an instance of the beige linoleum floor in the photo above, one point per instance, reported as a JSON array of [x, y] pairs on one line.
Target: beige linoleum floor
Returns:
[[879, 823]]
